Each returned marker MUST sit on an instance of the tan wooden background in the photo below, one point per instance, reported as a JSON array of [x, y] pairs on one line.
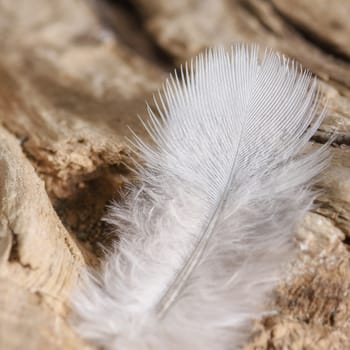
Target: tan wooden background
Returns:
[[73, 75]]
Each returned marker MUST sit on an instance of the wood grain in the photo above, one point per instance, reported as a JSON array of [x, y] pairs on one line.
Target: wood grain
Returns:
[[73, 77]]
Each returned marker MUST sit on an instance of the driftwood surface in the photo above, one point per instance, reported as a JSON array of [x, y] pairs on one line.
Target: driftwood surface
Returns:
[[74, 75]]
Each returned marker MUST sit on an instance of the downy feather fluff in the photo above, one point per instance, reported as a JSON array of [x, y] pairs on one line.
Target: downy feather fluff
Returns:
[[220, 191]]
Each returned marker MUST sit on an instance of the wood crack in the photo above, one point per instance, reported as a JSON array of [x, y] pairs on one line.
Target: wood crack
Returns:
[[323, 137], [14, 255], [134, 36], [312, 38]]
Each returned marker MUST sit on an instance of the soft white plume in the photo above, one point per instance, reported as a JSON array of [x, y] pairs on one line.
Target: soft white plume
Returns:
[[220, 192]]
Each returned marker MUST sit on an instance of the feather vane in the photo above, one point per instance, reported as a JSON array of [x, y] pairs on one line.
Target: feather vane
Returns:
[[220, 193]]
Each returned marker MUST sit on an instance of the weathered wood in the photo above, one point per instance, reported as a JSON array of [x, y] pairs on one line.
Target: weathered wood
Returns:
[[39, 260], [74, 75]]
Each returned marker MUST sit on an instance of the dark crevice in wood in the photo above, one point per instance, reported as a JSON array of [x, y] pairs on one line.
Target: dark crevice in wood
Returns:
[[346, 240], [82, 212], [255, 13], [14, 255], [312, 38], [122, 18], [323, 137]]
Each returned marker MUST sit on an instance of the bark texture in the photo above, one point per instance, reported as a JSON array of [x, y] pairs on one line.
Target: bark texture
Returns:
[[73, 76]]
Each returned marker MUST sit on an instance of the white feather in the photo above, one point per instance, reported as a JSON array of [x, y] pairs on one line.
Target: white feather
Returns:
[[205, 232]]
